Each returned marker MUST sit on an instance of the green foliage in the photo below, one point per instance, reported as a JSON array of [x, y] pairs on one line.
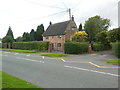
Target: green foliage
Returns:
[[116, 49], [32, 35], [75, 47], [102, 37], [95, 25], [10, 33], [39, 32], [114, 35], [98, 47], [80, 27], [26, 36], [33, 45], [19, 39], [7, 39]]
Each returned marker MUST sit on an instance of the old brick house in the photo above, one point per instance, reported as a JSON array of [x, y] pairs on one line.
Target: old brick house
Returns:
[[58, 33]]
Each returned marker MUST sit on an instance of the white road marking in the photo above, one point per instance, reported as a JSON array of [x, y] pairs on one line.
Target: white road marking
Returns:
[[29, 59], [92, 71]]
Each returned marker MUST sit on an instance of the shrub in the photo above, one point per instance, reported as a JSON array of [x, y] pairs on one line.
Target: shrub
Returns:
[[75, 47], [33, 45], [116, 49], [114, 35], [98, 47]]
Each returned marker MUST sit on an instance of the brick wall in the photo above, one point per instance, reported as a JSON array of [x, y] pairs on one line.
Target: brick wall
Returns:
[[55, 40]]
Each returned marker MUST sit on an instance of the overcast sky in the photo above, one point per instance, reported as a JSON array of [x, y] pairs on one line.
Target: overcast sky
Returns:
[[24, 15]]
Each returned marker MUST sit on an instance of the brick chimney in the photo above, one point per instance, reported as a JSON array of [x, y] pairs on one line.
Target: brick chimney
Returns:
[[72, 18], [50, 23]]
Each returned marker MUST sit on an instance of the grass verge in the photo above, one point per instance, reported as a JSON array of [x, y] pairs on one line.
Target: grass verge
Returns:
[[55, 55], [0, 80], [114, 61], [9, 81], [17, 50]]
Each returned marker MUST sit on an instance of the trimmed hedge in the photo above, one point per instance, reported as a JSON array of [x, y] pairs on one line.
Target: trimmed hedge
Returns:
[[98, 47], [116, 49], [75, 47], [33, 45]]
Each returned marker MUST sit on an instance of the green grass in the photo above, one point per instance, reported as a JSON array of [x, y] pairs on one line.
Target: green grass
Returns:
[[17, 50], [114, 61], [0, 80], [55, 55], [9, 81]]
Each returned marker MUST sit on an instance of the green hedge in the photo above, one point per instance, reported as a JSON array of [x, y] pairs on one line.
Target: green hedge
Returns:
[[116, 49], [33, 45], [98, 47], [75, 47]]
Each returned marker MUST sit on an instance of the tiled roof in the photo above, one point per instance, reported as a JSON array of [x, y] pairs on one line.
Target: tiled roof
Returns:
[[56, 29]]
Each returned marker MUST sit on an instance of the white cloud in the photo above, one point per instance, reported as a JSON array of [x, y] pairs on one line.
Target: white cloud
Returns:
[[24, 15]]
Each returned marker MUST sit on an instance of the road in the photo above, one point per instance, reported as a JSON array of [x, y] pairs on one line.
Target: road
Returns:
[[76, 71]]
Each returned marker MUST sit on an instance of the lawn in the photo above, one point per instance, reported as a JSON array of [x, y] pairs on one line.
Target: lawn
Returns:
[[9, 81], [55, 55], [0, 80], [17, 50], [114, 61]]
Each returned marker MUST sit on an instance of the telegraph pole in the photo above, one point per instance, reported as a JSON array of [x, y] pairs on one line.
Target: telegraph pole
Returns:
[[69, 10]]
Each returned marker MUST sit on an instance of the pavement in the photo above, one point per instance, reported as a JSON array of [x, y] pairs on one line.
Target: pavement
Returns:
[[75, 71]]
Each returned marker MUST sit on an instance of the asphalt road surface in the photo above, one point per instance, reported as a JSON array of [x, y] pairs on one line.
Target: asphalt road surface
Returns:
[[77, 71]]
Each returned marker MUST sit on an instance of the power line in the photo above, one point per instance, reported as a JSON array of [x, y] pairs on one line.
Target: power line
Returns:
[[64, 4], [36, 3], [47, 16], [76, 5]]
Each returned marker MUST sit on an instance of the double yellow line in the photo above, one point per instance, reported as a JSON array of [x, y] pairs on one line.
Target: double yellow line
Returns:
[[101, 66]]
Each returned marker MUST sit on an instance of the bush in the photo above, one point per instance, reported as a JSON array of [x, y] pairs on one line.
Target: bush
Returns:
[[98, 47], [75, 47], [114, 35], [116, 49], [33, 45]]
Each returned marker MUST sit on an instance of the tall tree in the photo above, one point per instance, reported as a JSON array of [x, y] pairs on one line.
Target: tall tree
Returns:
[[39, 32], [10, 33], [32, 35], [80, 27], [26, 36], [95, 25]]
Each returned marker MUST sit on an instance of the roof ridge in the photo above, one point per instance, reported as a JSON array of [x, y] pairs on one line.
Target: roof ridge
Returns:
[[61, 22]]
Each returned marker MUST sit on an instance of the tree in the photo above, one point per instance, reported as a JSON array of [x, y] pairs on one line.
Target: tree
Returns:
[[7, 39], [26, 36], [79, 36], [80, 27], [10, 33], [114, 35], [19, 39], [95, 25], [39, 32], [32, 35], [102, 37]]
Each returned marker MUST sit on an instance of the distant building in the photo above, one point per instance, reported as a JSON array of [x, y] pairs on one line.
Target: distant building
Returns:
[[58, 33], [119, 14]]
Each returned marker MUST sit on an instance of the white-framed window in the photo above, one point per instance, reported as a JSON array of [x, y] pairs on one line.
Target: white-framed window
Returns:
[[59, 36], [58, 44]]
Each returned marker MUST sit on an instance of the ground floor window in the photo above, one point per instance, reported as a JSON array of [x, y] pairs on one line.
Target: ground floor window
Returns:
[[59, 45]]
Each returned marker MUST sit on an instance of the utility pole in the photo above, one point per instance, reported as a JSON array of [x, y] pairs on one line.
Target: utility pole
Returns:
[[69, 10]]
